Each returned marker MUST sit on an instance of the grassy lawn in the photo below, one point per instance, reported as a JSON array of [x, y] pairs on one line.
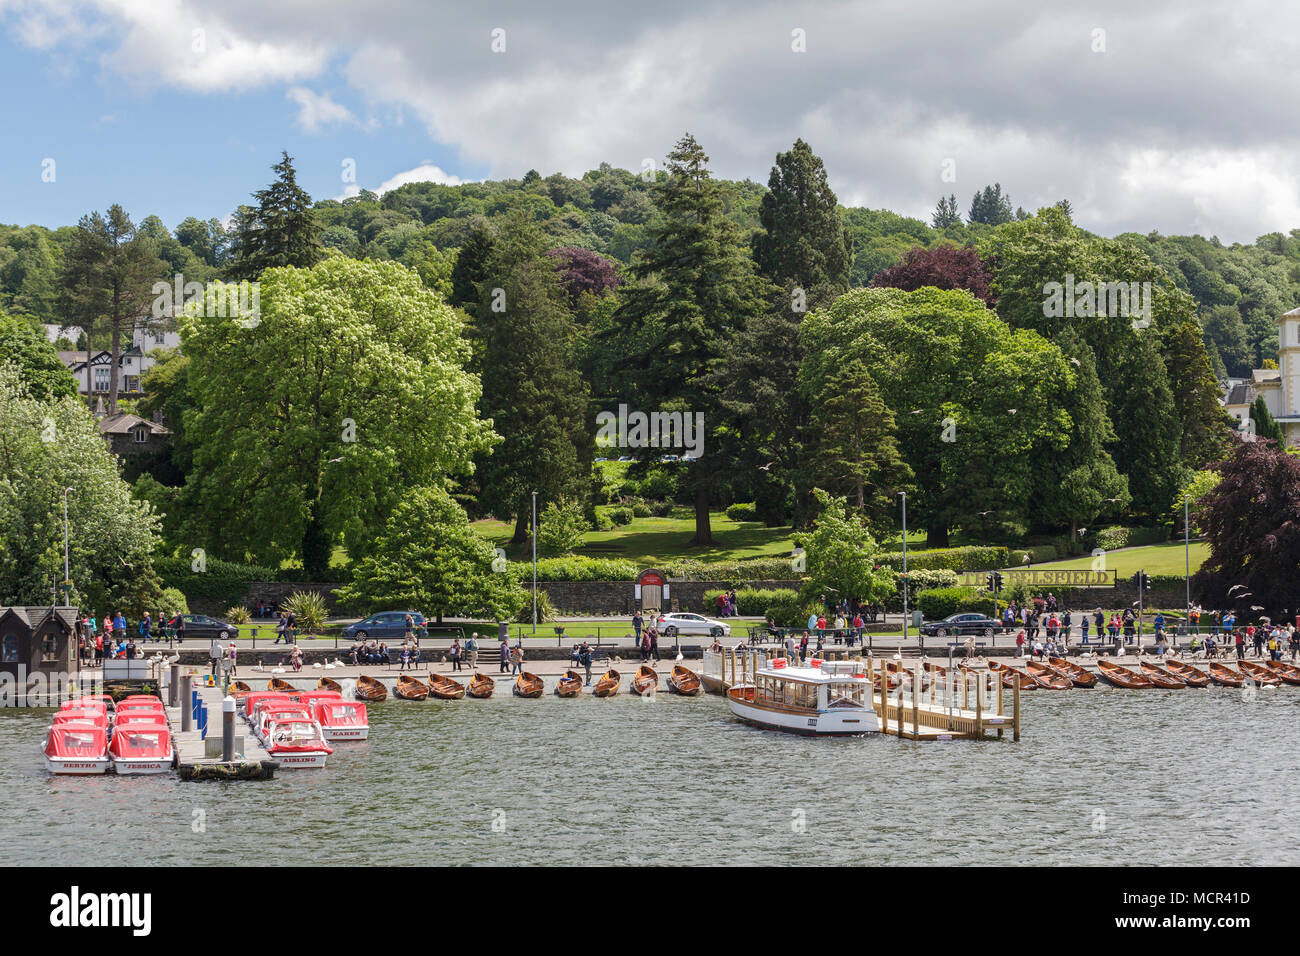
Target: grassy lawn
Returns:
[[1154, 559], [655, 540]]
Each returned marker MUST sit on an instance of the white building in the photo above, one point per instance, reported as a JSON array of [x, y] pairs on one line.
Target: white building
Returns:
[[132, 363], [1279, 387]]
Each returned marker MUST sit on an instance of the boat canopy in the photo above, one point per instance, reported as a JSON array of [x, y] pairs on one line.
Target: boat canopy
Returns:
[[75, 741], [142, 740], [341, 713], [81, 715], [310, 698], [292, 735]]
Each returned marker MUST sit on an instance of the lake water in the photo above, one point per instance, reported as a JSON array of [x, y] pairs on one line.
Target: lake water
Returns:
[[1101, 776]]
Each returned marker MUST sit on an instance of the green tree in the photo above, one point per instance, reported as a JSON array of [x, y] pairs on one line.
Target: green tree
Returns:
[[841, 555], [561, 527], [532, 389], [108, 278], [167, 393], [1148, 451], [1265, 425], [990, 206], [38, 364], [1079, 482], [854, 444], [1206, 427], [368, 396], [946, 213], [804, 243], [471, 265], [281, 231], [48, 445], [694, 287], [428, 557], [1224, 327]]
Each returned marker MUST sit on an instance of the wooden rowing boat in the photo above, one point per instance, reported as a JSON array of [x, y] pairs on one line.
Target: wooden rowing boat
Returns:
[[276, 684], [1260, 674], [329, 683], [481, 686], [1121, 676], [1225, 676], [570, 685], [607, 686], [444, 688], [1161, 677], [1049, 676], [1081, 677], [1189, 674], [1008, 674], [684, 681], [370, 689], [528, 685], [904, 672], [645, 680], [410, 688], [1289, 673], [239, 687]]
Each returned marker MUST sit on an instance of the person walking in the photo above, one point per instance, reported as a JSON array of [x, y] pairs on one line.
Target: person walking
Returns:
[[471, 649], [637, 623], [1258, 641], [119, 627], [214, 655], [654, 642], [504, 651], [645, 648], [584, 658], [517, 659], [281, 628], [1240, 640], [146, 628], [409, 624], [291, 628], [1020, 644], [454, 654], [232, 652]]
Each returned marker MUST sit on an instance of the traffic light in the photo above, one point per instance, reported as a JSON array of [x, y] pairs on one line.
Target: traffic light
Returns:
[[988, 580], [1142, 580], [994, 581]]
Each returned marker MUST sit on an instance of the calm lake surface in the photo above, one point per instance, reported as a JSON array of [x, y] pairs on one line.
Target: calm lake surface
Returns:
[[1101, 776]]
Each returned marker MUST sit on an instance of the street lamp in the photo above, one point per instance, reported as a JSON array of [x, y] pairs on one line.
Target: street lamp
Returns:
[[1187, 561], [904, 494], [534, 564]]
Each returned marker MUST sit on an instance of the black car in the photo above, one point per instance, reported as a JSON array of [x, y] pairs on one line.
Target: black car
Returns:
[[961, 624], [204, 627]]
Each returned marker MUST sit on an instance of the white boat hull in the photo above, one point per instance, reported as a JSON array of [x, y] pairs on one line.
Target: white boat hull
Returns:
[[304, 760], [76, 766], [139, 765], [345, 733], [827, 723]]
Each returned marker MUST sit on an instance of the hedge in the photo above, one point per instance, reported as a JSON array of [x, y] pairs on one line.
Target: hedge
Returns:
[[1038, 554], [918, 581], [753, 602], [938, 603], [973, 558], [224, 581], [788, 611]]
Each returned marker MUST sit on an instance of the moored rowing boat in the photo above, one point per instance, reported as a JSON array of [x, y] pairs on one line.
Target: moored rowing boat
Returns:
[[277, 684], [329, 683], [1161, 677], [1260, 674], [1188, 674], [1079, 676], [645, 680], [528, 685], [370, 689], [1289, 673], [1121, 676], [570, 685], [607, 686], [1049, 676], [684, 681], [1225, 676], [444, 688], [480, 686], [410, 688]]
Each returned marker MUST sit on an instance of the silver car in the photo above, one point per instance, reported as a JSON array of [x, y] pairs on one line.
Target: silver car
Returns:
[[670, 625]]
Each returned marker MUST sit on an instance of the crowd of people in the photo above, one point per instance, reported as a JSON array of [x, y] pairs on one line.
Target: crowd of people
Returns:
[[113, 637]]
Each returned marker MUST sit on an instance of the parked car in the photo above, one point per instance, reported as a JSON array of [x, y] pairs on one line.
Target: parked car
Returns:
[[670, 625], [385, 626], [961, 624], [202, 626]]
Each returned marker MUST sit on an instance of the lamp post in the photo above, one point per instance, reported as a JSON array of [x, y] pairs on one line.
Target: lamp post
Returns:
[[1187, 562], [904, 494], [534, 564]]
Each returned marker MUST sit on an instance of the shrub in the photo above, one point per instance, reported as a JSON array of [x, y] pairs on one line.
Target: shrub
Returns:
[[563, 524], [660, 482], [545, 610], [743, 511], [918, 581], [787, 611], [574, 568], [238, 614], [661, 509], [1037, 555], [948, 559], [753, 569], [171, 601], [225, 581], [1113, 538], [308, 609], [621, 515], [641, 509], [752, 602]]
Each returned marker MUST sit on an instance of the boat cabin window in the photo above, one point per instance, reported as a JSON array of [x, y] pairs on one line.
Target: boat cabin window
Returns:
[[848, 695], [788, 693], [142, 741]]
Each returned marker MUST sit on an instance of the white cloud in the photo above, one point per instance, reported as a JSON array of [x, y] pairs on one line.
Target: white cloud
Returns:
[[316, 110], [426, 172]]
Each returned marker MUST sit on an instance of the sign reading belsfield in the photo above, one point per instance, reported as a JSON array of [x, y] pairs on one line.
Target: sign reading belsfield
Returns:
[[1042, 578]]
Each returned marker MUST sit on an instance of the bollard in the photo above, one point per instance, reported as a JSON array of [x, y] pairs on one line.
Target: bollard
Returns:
[[187, 704], [174, 687], [228, 728]]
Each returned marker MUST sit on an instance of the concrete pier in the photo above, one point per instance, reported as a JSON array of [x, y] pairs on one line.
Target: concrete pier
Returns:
[[201, 759]]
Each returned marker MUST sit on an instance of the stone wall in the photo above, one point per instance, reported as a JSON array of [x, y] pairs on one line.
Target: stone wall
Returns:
[[272, 592], [619, 597]]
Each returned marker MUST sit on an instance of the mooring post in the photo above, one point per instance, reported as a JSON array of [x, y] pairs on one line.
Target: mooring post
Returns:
[[173, 688], [1015, 702], [979, 710], [1000, 710], [884, 698], [228, 728], [187, 705]]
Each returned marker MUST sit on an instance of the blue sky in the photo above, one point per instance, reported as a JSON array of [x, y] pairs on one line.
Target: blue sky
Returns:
[[1170, 116]]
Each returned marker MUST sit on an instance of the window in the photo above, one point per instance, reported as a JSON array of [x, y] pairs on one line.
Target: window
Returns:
[[132, 383], [49, 648], [141, 433], [101, 379], [10, 651]]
